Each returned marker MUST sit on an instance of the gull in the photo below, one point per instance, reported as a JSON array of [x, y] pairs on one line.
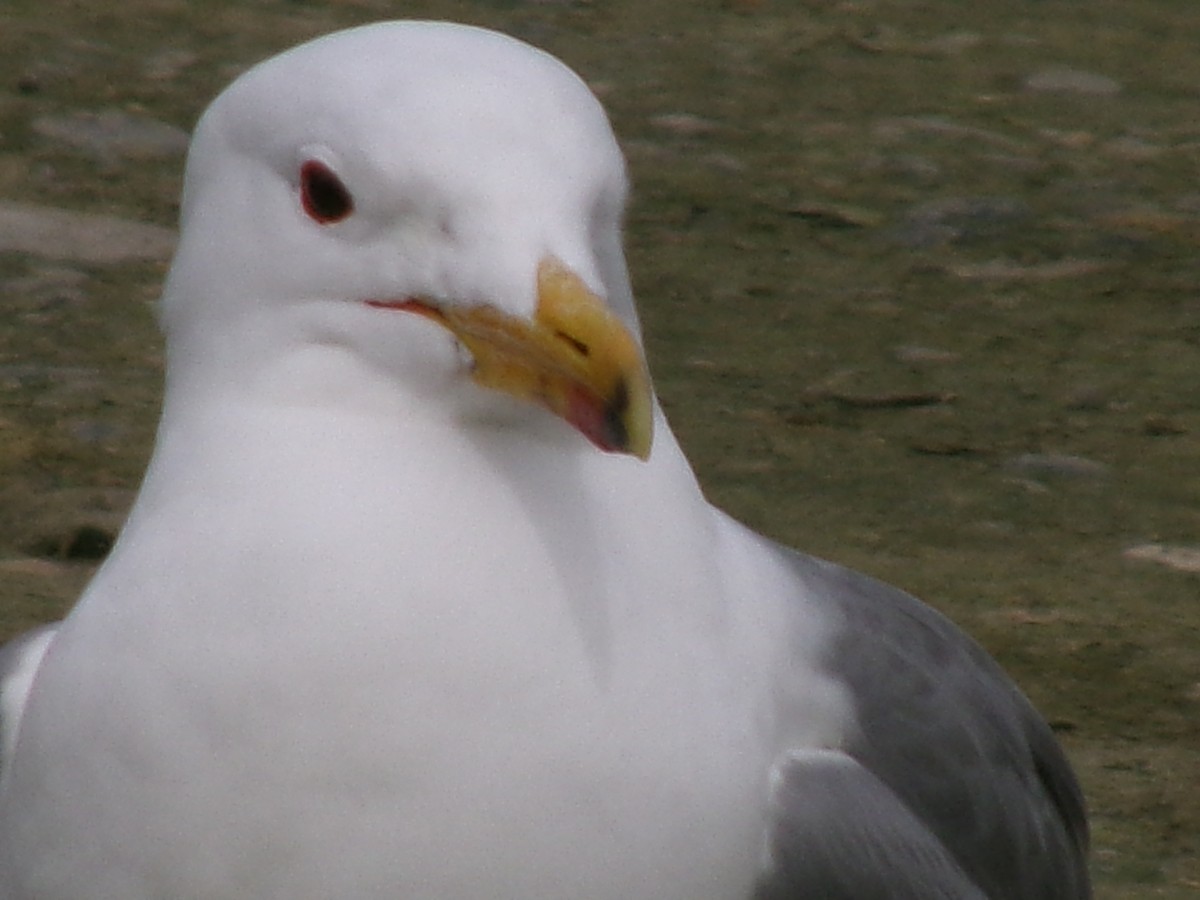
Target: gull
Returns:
[[420, 598]]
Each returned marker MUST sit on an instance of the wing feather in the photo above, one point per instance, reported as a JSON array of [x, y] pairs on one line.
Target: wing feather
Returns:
[[950, 773]]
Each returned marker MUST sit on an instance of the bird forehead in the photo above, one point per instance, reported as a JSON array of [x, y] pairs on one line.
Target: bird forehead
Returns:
[[431, 76], [410, 96]]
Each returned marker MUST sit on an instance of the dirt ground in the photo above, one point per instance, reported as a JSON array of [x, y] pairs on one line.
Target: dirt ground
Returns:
[[920, 282]]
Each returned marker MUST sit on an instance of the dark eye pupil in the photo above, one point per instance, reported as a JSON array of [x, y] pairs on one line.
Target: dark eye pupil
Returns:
[[324, 196]]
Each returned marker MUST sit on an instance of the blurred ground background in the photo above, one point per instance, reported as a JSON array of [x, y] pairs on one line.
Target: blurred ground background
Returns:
[[921, 284]]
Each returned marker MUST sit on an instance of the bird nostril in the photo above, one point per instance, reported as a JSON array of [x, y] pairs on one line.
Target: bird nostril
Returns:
[[577, 345]]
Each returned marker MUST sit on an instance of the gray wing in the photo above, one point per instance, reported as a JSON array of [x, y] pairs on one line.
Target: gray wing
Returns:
[[952, 785], [19, 661]]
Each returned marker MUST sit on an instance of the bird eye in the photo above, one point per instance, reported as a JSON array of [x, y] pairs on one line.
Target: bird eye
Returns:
[[325, 198]]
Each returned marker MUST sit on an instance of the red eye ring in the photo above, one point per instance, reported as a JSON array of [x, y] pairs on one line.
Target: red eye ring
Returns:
[[324, 197]]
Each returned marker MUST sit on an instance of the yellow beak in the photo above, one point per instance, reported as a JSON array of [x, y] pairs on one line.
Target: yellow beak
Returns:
[[574, 357]]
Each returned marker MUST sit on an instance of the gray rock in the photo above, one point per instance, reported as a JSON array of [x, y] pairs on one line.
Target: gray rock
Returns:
[[61, 234], [1161, 425], [907, 166], [684, 124], [49, 285], [1087, 396], [1057, 465], [167, 64], [894, 128], [84, 542], [954, 43], [1065, 80], [961, 220], [917, 355], [1006, 270], [92, 431], [27, 374], [1132, 149], [1174, 556], [111, 135]]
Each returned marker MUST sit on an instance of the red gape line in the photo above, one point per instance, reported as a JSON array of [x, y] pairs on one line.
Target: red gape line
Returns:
[[587, 414], [408, 304], [585, 411]]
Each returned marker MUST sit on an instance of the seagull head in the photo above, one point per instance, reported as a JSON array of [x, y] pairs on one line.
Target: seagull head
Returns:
[[441, 201]]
